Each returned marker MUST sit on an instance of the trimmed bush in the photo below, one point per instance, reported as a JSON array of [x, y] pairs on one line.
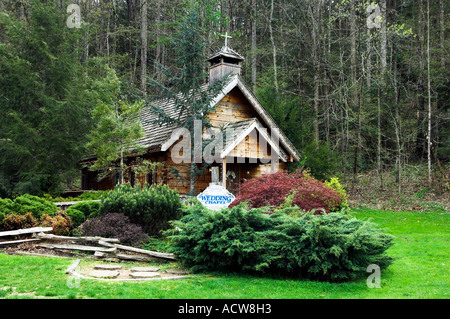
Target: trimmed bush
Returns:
[[76, 216], [15, 221], [89, 208], [332, 247], [114, 225], [272, 189], [61, 222], [36, 205], [151, 207], [6, 207]]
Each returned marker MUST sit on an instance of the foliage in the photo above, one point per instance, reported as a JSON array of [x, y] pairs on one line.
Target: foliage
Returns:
[[146, 167], [114, 225], [6, 207], [330, 247], [88, 208], [335, 184], [60, 222], [36, 205], [415, 248], [319, 159], [151, 207], [76, 216], [184, 87], [44, 116], [89, 195], [287, 109], [159, 244], [15, 221], [273, 189], [116, 130]]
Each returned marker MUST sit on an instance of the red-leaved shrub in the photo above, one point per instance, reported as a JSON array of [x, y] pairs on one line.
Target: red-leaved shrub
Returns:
[[17, 221], [272, 190], [114, 225], [60, 222]]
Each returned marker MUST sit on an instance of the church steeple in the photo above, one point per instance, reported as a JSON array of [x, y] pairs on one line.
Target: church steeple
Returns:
[[226, 60]]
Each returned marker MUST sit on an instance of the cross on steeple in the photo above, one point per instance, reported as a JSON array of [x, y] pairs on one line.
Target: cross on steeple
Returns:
[[226, 36]]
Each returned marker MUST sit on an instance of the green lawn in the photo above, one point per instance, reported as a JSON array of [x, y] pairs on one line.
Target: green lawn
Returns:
[[420, 271]]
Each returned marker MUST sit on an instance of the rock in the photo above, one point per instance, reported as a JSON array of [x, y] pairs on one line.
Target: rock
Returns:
[[104, 273], [108, 267], [144, 269], [177, 271], [144, 274]]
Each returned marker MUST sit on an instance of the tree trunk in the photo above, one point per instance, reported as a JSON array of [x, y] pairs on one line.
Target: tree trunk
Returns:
[[315, 19], [429, 93], [442, 34], [274, 49], [121, 169], [353, 87], [383, 83], [420, 135], [144, 46], [397, 126], [254, 8], [158, 44]]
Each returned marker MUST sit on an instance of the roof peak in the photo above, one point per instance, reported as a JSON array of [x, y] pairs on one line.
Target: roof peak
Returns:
[[226, 51]]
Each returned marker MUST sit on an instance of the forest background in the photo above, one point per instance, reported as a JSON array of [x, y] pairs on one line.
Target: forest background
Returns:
[[360, 87]]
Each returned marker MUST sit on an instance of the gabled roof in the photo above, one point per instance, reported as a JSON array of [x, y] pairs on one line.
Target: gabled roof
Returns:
[[159, 136], [242, 129]]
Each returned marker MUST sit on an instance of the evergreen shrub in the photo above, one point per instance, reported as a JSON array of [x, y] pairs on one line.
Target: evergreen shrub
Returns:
[[272, 190], [36, 205], [89, 208], [331, 247], [6, 207], [76, 216], [151, 207]]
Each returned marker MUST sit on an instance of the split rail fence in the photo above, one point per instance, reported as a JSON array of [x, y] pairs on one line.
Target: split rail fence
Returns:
[[103, 248]]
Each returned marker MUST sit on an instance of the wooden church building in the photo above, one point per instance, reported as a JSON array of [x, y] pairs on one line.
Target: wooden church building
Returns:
[[240, 159]]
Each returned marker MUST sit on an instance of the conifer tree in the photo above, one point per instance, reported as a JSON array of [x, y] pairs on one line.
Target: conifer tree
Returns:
[[116, 129], [187, 88]]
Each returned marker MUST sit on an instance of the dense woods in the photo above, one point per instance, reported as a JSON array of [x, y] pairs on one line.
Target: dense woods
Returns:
[[358, 86]]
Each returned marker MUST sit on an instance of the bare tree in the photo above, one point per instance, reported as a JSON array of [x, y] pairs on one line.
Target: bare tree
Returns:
[[254, 54], [429, 93], [274, 48], [144, 45]]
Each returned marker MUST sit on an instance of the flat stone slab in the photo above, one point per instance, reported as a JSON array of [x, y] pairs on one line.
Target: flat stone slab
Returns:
[[108, 267], [144, 269], [148, 274], [104, 273], [177, 271]]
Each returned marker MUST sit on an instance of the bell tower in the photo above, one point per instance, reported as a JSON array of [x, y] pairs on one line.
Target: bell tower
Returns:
[[226, 60]]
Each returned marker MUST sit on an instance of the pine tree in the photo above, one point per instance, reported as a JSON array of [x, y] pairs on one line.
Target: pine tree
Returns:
[[187, 88], [117, 130], [43, 117]]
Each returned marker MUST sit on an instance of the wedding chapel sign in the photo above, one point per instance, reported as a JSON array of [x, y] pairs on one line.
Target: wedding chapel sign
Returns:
[[216, 197]]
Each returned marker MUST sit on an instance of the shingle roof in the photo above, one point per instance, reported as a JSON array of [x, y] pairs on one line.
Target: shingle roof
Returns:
[[227, 52], [155, 135]]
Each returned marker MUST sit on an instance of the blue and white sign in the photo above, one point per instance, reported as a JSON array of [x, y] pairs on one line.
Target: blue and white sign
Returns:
[[216, 197]]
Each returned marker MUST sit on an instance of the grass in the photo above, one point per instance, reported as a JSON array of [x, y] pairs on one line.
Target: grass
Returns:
[[421, 270]]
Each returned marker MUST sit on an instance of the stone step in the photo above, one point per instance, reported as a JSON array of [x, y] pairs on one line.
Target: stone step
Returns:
[[177, 271], [108, 267], [104, 273], [144, 274], [144, 269]]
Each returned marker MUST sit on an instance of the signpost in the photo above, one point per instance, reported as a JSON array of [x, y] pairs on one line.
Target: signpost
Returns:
[[216, 197]]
